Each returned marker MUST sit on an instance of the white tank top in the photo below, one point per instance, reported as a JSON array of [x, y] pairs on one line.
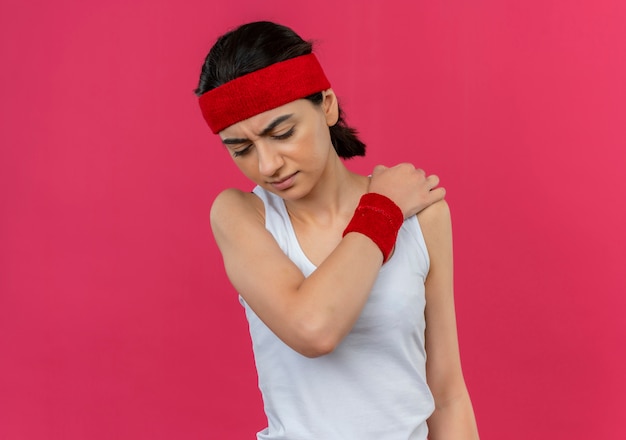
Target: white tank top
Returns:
[[373, 385]]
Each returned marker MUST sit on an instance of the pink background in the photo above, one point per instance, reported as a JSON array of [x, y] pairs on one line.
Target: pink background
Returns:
[[116, 319]]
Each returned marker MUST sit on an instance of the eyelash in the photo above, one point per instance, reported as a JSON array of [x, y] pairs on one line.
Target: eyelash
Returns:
[[242, 152], [285, 135], [279, 137]]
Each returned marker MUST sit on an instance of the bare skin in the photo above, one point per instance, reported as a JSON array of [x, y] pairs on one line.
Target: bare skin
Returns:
[[453, 417], [288, 151]]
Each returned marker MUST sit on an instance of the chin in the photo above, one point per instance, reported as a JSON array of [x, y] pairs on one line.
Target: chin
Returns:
[[295, 192]]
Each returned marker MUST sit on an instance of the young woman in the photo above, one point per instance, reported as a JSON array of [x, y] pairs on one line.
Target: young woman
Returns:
[[346, 279]]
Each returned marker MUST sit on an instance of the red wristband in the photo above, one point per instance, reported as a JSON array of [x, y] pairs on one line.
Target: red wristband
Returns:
[[378, 218]]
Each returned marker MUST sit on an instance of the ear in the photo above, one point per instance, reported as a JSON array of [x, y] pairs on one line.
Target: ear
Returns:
[[330, 106]]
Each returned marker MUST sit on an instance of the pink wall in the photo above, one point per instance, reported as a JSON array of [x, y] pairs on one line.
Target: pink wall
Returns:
[[116, 320]]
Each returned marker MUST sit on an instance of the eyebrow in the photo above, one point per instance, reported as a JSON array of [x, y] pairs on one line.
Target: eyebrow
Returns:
[[271, 126]]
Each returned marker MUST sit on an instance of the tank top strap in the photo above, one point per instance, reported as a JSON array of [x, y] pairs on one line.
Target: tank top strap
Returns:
[[278, 223]]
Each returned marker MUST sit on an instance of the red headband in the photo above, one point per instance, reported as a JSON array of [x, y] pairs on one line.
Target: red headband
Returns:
[[262, 90]]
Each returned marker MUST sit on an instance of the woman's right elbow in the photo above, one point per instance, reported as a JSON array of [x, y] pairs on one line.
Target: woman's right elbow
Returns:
[[314, 343]]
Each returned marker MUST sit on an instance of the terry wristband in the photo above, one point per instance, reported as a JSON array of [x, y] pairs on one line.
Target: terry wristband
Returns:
[[378, 218]]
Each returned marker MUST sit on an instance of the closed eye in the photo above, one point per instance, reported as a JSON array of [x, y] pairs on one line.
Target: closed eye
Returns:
[[242, 152], [284, 135]]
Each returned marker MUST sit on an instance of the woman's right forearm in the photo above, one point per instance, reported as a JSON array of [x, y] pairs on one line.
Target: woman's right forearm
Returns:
[[328, 302]]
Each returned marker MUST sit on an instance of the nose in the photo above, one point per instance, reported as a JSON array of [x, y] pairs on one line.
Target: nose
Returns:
[[270, 160]]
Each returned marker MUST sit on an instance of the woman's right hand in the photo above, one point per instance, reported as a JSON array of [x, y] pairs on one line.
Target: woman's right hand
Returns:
[[407, 186]]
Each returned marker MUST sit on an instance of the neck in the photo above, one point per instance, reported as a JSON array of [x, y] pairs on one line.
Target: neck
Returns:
[[334, 198]]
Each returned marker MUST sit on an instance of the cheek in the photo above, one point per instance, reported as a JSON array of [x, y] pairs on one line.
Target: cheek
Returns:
[[323, 144], [323, 133], [247, 166]]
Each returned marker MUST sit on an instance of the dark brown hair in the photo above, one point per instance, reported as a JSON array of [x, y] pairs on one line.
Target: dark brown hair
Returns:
[[256, 45]]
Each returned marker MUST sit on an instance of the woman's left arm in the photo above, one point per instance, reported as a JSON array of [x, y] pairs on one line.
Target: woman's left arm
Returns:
[[453, 417]]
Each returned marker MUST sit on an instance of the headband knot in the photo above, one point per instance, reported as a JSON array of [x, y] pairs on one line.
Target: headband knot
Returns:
[[262, 90]]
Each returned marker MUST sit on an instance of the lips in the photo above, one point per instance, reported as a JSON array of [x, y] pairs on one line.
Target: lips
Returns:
[[285, 183]]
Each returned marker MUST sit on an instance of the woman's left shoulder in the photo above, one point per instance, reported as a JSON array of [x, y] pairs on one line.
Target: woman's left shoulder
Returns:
[[436, 228], [436, 215]]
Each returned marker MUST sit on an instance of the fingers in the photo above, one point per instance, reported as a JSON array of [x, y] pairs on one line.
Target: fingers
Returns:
[[436, 195], [409, 187], [406, 171], [432, 181], [378, 168], [435, 192]]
